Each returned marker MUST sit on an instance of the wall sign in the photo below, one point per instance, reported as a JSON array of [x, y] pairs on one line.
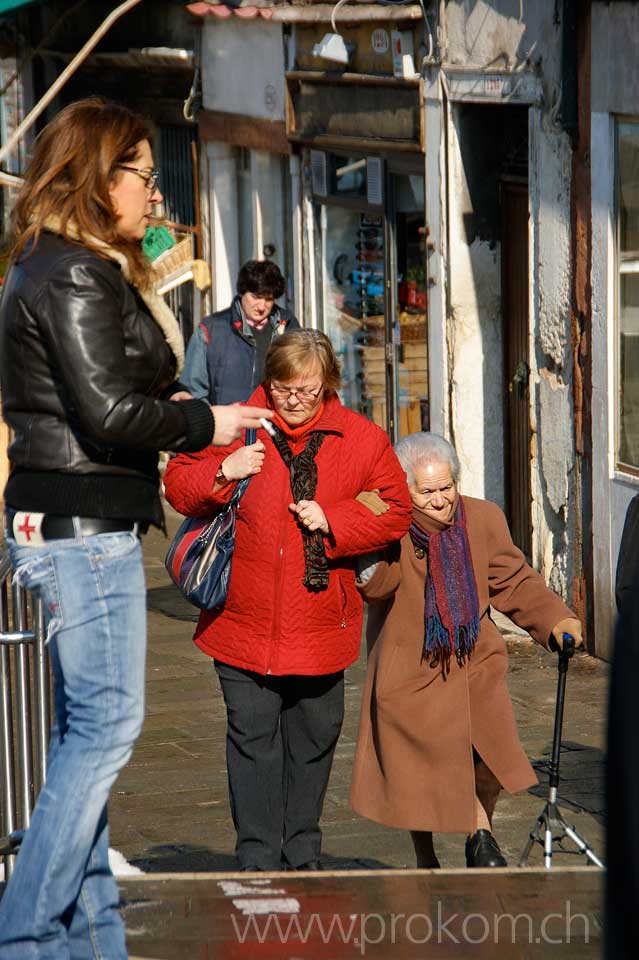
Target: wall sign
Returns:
[[379, 40], [480, 87], [270, 97]]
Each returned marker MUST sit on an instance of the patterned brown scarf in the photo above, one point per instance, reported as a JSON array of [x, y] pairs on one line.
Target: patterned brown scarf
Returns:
[[303, 470]]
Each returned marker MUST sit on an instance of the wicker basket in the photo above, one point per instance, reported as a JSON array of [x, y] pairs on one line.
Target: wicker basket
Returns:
[[178, 256], [413, 331]]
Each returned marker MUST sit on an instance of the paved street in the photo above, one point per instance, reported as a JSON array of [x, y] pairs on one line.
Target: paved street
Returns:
[[170, 814]]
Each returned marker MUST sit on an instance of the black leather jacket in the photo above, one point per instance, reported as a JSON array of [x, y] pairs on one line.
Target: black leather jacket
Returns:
[[86, 371]]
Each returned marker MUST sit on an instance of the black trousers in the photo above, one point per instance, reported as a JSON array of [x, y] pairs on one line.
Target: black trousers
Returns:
[[281, 737]]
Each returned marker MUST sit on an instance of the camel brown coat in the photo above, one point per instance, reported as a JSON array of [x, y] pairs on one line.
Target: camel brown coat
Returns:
[[414, 761]]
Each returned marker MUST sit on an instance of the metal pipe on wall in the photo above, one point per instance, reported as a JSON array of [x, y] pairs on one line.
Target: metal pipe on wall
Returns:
[[55, 87]]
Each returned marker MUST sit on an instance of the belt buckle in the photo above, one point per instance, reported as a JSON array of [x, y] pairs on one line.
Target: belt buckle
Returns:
[[27, 528]]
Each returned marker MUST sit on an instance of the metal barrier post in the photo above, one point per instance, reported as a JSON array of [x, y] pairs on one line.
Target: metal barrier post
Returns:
[[24, 719], [23, 704], [7, 772], [41, 688]]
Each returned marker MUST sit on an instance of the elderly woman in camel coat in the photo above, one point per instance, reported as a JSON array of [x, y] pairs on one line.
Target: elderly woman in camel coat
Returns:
[[437, 737]]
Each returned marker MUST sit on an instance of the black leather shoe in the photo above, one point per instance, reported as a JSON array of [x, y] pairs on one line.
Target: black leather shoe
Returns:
[[253, 868], [482, 850], [310, 865]]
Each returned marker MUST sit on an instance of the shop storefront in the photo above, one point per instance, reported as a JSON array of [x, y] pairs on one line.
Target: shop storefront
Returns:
[[361, 140], [368, 220]]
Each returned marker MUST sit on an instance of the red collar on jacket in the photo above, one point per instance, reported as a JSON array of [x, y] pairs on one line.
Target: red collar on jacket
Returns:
[[332, 420], [299, 433]]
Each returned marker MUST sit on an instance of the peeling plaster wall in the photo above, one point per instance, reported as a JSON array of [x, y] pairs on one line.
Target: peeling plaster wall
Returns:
[[479, 137], [490, 34], [474, 339], [551, 355]]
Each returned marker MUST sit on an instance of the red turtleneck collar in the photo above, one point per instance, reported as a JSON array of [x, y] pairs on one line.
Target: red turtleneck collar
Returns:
[[298, 433]]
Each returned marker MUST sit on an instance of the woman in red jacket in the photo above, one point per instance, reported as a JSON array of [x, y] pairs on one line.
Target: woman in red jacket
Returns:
[[292, 619]]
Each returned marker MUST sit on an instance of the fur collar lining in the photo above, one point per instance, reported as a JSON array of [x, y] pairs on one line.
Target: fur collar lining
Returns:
[[158, 308]]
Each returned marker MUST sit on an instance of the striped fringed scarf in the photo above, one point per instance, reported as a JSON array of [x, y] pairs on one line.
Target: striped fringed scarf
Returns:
[[451, 606]]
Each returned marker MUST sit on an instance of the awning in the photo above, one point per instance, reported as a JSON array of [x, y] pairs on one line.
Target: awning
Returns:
[[7, 5], [311, 13]]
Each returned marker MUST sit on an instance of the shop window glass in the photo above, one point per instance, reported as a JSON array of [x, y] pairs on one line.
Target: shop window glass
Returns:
[[245, 205], [353, 305], [349, 177], [409, 328], [353, 261], [628, 296]]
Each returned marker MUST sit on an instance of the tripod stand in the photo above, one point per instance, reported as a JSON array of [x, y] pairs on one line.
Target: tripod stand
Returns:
[[551, 820]]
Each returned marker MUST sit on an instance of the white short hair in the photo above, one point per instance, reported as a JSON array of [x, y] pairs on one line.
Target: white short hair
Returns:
[[423, 448]]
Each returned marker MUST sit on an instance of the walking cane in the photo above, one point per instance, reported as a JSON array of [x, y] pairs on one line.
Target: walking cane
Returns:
[[551, 820]]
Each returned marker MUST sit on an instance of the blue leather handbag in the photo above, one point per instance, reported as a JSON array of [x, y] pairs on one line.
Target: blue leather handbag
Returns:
[[199, 558]]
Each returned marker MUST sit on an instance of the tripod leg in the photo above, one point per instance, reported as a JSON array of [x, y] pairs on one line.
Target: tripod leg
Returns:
[[548, 845], [523, 858], [533, 837], [581, 843]]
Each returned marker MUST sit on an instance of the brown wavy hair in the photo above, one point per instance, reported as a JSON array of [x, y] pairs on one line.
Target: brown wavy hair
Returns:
[[67, 181], [297, 350]]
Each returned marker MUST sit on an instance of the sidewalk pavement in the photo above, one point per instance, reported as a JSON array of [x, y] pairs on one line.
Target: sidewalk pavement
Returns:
[[169, 811]]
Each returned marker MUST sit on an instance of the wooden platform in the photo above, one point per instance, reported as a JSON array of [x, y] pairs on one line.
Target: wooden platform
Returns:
[[391, 914]]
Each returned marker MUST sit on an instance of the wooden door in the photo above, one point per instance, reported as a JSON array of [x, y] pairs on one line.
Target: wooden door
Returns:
[[515, 294]]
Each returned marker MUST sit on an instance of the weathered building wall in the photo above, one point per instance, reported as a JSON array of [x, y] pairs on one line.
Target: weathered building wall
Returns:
[[242, 123], [253, 50], [474, 330], [493, 34], [615, 64], [551, 383], [489, 37]]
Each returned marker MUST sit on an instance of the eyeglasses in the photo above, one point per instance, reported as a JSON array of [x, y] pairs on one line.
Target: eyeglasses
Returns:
[[304, 396], [150, 177]]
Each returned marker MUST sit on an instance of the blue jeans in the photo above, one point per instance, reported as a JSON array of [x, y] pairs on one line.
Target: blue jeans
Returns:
[[62, 899]]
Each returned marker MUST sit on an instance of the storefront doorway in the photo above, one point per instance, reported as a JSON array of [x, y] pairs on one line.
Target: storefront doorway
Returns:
[[371, 283]]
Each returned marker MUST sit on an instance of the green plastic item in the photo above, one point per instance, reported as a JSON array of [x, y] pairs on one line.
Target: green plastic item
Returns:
[[156, 241]]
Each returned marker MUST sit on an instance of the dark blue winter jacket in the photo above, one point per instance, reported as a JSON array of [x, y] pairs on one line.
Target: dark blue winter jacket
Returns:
[[221, 358]]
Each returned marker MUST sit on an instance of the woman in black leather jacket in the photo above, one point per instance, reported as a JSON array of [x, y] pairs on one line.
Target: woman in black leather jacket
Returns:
[[89, 361]]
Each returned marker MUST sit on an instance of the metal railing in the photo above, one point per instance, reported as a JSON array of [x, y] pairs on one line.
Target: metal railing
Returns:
[[25, 712]]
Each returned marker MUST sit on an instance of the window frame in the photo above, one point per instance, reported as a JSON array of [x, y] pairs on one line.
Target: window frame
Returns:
[[620, 466]]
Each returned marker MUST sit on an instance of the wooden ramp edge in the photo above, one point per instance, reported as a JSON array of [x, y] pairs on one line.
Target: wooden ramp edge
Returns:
[[513, 913]]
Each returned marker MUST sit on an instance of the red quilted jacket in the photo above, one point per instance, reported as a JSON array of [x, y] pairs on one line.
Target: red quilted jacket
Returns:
[[271, 623]]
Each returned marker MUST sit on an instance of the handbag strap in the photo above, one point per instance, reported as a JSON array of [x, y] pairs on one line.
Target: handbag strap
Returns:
[[250, 437]]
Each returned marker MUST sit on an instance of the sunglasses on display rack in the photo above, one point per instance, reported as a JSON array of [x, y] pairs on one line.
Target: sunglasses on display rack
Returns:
[[364, 276], [368, 233], [374, 257], [371, 306]]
